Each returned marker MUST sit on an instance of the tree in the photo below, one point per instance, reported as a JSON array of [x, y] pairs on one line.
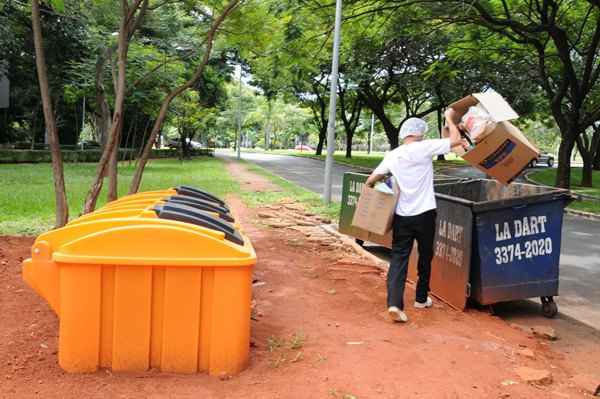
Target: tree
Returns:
[[62, 206], [350, 109], [65, 41], [317, 99], [292, 62], [564, 38], [194, 79], [131, 17]]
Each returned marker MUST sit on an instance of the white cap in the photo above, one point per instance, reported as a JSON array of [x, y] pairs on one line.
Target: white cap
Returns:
[[413, 127]]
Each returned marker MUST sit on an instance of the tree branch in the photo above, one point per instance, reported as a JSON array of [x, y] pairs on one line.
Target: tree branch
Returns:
[[592, 52]]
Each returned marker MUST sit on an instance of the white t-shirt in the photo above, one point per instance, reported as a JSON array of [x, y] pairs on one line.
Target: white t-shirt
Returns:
[[412, 167]]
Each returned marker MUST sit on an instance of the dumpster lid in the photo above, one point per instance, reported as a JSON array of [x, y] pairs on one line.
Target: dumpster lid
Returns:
[[188, 214], [201, 194], [193, 200], [147, 241], [484, 195], [202, 205]]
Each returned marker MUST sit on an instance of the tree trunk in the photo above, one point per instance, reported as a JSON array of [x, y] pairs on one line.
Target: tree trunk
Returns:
[[34, 127], [587, 150], [596, 165], [103, 116], [321, 143], [586, 171], [391, 131], [62, 207], [268, 125], [377, 106], [162, 113], [563, 172], [113, 170], [392, 136], [107, 154], [349, 138], [440, 127]]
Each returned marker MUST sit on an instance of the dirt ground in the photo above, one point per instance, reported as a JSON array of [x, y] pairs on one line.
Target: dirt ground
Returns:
[[319, 331]]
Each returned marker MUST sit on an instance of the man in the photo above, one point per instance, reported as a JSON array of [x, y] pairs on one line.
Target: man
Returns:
[[411, 164]]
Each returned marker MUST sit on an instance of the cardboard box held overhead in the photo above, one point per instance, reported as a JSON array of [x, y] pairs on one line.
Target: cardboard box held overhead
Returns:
[[375, 210], [502, 152]]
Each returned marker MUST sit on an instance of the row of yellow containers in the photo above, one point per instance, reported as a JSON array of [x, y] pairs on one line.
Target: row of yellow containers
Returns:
[[156, 279]]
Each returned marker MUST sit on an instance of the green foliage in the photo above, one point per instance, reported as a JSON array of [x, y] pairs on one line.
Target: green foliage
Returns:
[[27, 208], [406, 58], [57, 5], [65, 39], [284, 120]]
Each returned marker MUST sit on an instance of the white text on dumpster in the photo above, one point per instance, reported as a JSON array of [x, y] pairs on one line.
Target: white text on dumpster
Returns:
[[452, 233], [519, 228], [354, 192]]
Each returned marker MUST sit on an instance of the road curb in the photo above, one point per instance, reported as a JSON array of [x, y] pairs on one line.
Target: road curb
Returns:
[[586, 215]]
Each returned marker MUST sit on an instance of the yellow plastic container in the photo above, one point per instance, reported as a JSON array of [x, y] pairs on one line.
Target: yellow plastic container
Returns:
[[138, 292]]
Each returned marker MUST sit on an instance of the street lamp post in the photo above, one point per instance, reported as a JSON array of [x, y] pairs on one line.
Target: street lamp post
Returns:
[[370, 141], [239, 118], [332, 103]]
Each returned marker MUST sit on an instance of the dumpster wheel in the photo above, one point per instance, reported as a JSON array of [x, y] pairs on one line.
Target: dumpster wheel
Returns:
[[549, 308]]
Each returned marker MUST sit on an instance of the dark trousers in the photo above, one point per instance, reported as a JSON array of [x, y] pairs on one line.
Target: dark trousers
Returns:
[[407, 229]]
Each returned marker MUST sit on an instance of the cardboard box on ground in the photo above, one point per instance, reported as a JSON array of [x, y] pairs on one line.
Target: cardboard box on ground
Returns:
[[374, 212], [501, 150]]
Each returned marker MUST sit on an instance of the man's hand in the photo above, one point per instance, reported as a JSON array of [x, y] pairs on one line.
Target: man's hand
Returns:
[[455, 138], [450, 115], [374, 179]]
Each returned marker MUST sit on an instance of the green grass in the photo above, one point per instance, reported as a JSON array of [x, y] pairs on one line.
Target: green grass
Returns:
[[27, 195], [590, 206], [548, 177]]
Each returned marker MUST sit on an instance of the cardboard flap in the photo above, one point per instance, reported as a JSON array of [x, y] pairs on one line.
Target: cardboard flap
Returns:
[[496, 106]]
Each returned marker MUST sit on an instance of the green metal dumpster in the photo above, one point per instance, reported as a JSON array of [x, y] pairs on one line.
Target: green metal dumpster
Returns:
[[351, 188]]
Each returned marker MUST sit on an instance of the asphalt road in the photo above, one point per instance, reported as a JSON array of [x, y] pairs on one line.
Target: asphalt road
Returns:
[[305, 172], [580, 255]]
